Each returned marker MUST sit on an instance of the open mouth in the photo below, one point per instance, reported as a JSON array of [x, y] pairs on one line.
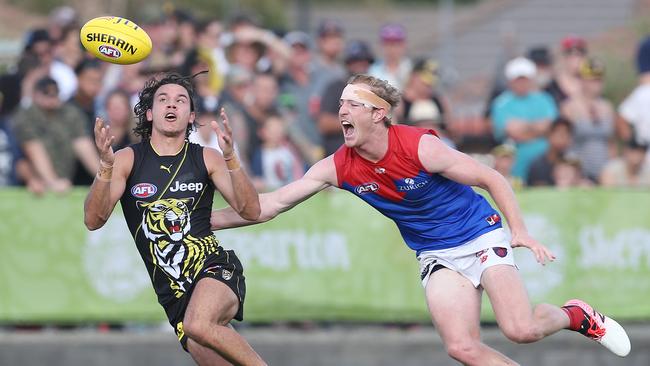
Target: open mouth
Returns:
[[175, 227], [348, 128], [171, 117]]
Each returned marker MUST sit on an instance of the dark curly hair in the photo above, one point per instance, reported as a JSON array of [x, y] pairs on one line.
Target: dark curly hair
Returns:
[[143, 127]]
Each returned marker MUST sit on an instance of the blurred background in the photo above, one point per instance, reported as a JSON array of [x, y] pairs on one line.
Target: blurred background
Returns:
[[330, 282]]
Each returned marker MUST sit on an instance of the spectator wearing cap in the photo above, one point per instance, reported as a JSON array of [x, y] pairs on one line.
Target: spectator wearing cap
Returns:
[[357, 57], [593, 119], [327, 61], [422, 87], [543, 60], [394, 66], [504, 157], [634, 111], [567, 81], [52, 135], [560, 139], [630, 170], [300, 97], [257, 49], [523, 114]]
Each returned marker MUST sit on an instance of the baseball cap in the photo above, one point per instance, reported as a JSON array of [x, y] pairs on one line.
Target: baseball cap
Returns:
[[540, 56], [297, 38], [592, 68], [392, 33], [503, 150], [520, 67], [329, 27], [427, 70], [574, 43], [358, 51]]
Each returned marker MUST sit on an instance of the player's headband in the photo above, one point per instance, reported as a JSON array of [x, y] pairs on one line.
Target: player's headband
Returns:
[[358, 94]]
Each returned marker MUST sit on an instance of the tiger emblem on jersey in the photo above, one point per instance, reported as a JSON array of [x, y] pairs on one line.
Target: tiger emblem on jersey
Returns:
[[166, 223]]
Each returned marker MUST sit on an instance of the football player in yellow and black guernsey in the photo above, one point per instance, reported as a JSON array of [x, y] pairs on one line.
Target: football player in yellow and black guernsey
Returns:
[[165, 186]]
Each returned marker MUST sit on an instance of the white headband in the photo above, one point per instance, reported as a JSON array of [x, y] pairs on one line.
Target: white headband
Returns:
[[358, 94]]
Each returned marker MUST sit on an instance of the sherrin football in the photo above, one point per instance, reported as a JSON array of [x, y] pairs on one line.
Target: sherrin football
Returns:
[[116, 40]]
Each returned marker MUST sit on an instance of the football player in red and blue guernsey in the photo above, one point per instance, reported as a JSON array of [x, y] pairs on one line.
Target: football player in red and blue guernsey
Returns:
[[412, 177]]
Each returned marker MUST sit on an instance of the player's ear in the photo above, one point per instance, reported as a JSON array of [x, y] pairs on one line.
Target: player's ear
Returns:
[[149, 115], [378, 114], [192, 117]]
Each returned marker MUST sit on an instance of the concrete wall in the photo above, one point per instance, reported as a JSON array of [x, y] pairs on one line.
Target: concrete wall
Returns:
[[340, 346]]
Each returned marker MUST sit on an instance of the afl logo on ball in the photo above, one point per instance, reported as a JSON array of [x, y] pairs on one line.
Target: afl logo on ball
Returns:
[[109, 51], [143, 190]]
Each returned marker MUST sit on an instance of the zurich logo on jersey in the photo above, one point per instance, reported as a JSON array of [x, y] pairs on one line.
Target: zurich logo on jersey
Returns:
[[411, 184]]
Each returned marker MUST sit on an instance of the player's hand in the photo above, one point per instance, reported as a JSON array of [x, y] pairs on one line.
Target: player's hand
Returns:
[[541, 252], [224, 136], [103, 141]]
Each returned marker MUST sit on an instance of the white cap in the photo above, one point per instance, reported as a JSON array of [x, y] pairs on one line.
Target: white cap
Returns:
[[424, 110], [520, 67]]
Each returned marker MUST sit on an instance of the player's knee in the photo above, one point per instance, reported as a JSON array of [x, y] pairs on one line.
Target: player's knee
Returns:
[[522, 333], [463, 351], [196, 329]]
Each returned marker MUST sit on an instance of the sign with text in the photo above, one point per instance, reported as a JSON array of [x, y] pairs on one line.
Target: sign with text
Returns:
[[331, 258]]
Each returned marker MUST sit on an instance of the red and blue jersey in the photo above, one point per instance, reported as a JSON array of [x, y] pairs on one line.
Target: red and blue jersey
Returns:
[[431, 211]]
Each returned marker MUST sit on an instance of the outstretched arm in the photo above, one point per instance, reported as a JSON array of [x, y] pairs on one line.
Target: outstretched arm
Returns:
[[436, 157], [319, 177], [110, 181]]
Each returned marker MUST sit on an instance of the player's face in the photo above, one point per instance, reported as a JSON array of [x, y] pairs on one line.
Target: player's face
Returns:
[[171, 111], [356, 120]]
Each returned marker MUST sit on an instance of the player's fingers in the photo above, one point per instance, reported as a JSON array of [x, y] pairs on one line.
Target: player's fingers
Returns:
[[98, 125], [216, 128], [226, 122]]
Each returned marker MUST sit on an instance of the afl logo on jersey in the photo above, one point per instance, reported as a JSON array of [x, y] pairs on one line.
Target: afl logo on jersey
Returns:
[[367, 188], [143, 190]]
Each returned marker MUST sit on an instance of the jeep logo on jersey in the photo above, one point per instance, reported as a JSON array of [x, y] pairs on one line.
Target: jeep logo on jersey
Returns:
[[109, 51], [182, 187], [143, 190], [411, 184], [367, 188]]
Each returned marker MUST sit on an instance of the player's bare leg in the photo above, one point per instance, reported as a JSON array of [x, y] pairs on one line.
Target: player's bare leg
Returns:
[[512, 309], [209, 312], [204, 356], [523, 325], [455, 307]]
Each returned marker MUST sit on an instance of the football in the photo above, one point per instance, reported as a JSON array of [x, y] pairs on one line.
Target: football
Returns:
[[116, 40]]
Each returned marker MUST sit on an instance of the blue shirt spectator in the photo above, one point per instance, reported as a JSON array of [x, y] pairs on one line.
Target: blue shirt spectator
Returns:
[[523, 115]]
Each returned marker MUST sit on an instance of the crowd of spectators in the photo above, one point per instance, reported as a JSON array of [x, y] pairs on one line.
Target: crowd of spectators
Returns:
[[551, 125]]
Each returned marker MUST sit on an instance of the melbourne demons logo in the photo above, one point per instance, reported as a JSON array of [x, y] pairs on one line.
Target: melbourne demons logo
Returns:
[[143, 190], [367, 188]]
